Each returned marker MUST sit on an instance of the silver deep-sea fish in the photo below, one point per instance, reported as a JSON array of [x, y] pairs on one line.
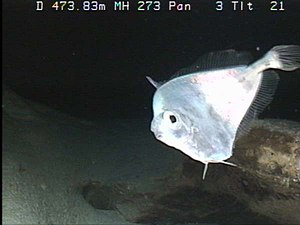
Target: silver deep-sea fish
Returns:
[[203, 109]]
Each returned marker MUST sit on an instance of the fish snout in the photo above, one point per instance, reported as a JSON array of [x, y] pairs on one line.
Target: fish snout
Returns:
[[158, 135], [155, 130]]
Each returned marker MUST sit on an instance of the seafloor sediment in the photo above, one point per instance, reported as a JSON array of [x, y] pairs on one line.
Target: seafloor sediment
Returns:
[[62, 170]]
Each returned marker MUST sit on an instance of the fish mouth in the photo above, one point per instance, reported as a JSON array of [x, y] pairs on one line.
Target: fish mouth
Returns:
[[158, 135]]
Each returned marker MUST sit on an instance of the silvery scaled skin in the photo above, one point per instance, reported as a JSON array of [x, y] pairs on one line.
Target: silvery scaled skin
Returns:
[[200, 113]]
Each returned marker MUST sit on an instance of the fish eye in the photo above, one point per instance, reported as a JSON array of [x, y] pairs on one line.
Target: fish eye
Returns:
[[170, 117]]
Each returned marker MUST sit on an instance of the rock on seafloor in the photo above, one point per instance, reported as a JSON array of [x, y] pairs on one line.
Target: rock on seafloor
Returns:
[[270, 155], [267, 176], [262, 189]]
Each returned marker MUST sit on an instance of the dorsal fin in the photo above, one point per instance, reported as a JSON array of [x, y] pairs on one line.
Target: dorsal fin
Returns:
[[263, 97], [216, 60]]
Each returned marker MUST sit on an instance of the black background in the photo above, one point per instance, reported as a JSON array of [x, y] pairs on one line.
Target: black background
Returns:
[[93, 64]]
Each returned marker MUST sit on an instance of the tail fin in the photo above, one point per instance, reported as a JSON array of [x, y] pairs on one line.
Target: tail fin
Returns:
[[283, 57]]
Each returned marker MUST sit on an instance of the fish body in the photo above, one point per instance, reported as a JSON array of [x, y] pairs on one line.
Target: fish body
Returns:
[[201, 113]]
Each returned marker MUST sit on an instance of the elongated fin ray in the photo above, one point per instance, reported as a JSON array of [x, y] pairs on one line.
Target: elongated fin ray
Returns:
[[206, 166], [205, 170], [154, 83]]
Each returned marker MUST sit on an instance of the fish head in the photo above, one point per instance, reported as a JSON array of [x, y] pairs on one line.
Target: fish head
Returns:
[[174, 125], [170, 128], [175, 129]]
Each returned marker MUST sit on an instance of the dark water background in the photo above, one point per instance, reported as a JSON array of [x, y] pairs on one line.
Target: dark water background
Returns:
[[93, 64]]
